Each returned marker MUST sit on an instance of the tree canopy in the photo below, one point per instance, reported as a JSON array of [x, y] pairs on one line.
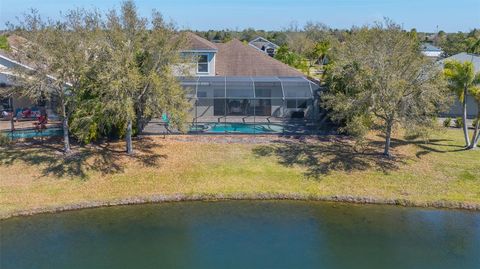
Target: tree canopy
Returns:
[[138, 77], [59, 54], [110, 71], [380, 79]]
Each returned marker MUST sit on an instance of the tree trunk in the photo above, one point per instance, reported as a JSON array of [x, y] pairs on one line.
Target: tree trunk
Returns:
[[12, 117], [66, 139], [139, 115], [476, 137], [476, 133], [388, 138], [464, 118], [128, 137], [140, 124]]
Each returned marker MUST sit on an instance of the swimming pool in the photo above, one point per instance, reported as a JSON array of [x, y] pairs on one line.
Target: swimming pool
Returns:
[[31, 133], [239, 128]]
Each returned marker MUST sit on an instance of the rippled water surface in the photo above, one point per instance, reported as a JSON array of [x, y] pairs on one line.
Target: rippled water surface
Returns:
[[243, 234]]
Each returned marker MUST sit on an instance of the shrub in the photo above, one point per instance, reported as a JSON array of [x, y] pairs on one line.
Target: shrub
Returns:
[[447, 122], [458, 122], [4, 140], [4, 43]]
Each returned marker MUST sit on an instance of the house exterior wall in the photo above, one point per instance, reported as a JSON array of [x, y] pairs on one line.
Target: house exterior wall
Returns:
[[285, 97], [277, 108], [191, 68], [4, 80], [204, 108], [21, 102], [457, 109]]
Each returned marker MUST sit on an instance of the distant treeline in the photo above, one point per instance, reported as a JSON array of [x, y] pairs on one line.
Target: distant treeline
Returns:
[[297, 38]]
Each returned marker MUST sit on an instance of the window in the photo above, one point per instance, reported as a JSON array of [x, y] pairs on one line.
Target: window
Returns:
[[291, 103], [202, 64], [296, 104], [5, 104], [301, 103]]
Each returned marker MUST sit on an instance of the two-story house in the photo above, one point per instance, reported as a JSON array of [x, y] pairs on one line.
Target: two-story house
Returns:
[[232, 84], [235, 83]]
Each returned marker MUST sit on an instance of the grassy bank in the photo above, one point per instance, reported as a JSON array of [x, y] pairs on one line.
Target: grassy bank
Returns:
[[37, 176]]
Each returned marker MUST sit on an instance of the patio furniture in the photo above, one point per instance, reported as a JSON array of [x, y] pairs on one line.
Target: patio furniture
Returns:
[[298, 115], [42, 122], [27, 113]]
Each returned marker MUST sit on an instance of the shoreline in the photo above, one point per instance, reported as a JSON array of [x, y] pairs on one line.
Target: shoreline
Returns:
[[154, 199]]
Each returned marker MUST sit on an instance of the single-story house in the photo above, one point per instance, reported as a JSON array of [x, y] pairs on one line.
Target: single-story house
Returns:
[[457, 109], [431, 51], [234, 83], [264, 45]]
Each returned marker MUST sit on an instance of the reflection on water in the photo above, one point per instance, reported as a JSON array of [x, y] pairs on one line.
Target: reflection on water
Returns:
[[242, 234]]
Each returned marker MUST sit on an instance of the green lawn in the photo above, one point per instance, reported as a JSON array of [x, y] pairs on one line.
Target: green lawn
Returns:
[[38, 176]]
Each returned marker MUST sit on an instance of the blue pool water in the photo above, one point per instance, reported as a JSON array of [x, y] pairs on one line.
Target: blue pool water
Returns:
[[240, 128], [21, 134]]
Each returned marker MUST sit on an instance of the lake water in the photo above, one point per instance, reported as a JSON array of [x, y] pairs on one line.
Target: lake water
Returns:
[[244, 234]]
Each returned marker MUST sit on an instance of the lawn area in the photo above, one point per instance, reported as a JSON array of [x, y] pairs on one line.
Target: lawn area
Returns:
[[38, 176]]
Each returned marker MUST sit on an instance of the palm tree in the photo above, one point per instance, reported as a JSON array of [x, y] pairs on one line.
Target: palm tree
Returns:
[[476, 134], [462, 80]]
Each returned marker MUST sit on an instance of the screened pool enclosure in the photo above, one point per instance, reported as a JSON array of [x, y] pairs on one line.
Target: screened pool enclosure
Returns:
[[251, 104]]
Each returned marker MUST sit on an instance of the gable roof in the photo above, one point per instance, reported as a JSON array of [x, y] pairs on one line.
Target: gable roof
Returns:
[[14, 58], [260, 42], [195, 42], [465, 57], [236, 59], [15, 55]]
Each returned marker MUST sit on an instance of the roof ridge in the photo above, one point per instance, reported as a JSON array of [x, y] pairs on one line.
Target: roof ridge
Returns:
[[203, 41], [249, 53], [269, 57]]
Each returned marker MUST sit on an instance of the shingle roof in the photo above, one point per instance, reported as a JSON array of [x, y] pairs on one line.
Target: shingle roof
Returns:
[[466, 57], [236, 59], [194, 42], [15, 53]]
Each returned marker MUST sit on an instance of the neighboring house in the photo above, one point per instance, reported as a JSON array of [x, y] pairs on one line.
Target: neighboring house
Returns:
[[15, 102], [264, 45], [472, 109], [234, 82], [11, 102], [431, 51]]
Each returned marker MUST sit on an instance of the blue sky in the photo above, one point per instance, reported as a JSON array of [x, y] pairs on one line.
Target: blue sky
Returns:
[[425, 15]]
